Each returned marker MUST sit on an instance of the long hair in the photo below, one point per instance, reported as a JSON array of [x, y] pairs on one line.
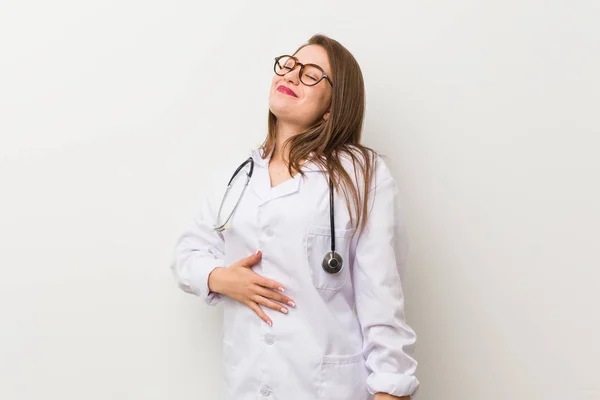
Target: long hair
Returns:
[[339, 135]]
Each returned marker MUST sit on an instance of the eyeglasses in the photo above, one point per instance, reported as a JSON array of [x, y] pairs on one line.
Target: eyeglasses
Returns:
[[310, 74]]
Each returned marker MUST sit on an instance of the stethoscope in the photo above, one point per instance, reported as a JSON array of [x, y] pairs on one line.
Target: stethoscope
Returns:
[[332, 262]]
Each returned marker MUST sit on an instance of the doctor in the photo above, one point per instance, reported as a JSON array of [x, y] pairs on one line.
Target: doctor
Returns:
[[294, 329]]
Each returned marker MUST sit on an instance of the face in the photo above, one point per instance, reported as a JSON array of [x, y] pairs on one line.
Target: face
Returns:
[[307, 104]]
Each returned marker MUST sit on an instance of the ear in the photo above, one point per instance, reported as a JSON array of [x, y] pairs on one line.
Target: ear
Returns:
[[326, 115]]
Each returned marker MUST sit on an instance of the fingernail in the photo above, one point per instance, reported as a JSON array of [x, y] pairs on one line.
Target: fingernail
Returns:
[[284, 310], [257, 251], [270, 323], [280, 289], [291, 304]]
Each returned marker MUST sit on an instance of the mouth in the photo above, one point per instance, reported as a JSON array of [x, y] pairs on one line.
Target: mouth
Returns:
[[286, 90]]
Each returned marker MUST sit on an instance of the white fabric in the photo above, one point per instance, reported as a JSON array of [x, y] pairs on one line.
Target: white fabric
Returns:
[[347, 337]]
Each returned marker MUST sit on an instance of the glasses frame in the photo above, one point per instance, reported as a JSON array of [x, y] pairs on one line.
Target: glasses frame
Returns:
[[296, 63]]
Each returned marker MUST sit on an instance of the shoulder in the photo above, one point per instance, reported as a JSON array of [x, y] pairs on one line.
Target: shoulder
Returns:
[[219, 174], [355, 163]]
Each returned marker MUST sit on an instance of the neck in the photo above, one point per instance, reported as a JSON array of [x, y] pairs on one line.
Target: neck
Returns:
[[283, 132]]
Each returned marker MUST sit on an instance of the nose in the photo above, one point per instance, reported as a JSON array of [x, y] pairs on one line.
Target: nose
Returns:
[[293, 76]]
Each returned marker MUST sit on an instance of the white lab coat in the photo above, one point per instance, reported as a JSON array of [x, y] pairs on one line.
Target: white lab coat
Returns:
[[347, 337]]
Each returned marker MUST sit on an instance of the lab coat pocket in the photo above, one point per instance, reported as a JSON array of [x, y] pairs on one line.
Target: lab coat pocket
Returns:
[[318, 244], [343, 377]]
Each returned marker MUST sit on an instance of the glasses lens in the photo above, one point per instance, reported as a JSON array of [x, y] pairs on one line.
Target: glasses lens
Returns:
[[284, 65], [311, 75]]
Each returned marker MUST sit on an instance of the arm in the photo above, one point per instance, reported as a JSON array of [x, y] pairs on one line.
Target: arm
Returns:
[[388, 341], [199, 250]]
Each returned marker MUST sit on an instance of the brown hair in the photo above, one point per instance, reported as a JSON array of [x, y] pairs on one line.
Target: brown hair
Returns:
[[337, 136]]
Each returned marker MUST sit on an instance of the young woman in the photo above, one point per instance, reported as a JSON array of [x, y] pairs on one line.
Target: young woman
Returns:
[[307, 317]]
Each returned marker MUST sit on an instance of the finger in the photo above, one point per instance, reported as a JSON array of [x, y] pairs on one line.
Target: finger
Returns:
[[270, 294], [249, 261], [256, 308], [270, 304], [268, 283]]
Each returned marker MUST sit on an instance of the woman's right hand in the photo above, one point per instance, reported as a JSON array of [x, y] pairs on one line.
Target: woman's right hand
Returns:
[[239, 282]]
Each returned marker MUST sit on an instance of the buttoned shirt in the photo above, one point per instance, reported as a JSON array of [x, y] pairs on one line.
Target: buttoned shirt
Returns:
[[347, 336]]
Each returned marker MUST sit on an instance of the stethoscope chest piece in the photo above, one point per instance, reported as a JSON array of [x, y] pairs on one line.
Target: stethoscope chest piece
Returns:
[[332, 263]]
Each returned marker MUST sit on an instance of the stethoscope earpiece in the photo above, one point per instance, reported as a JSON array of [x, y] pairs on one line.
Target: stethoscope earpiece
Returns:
[[332, 263]]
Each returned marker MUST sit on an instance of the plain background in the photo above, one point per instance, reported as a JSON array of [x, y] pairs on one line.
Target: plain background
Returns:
[[115, 115]]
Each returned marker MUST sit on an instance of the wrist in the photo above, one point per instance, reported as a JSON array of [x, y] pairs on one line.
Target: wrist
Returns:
[[214, 280]]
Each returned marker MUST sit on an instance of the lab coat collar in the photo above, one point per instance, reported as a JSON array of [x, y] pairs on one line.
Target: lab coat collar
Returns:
[[256, 154], [262, 185]]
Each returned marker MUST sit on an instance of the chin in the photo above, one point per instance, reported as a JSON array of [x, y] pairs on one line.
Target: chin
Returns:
[[279, 108]]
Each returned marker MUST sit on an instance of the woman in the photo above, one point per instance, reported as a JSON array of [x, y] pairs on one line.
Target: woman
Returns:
[[292, 329]]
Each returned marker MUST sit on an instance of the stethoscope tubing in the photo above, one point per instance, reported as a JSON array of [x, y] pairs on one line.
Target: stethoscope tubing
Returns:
[[332, 262]]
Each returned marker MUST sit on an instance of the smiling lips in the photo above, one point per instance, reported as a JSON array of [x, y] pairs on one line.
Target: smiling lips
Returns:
[[286, 90]]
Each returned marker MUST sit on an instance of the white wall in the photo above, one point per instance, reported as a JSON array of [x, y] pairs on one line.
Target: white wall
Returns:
[[113, 115]]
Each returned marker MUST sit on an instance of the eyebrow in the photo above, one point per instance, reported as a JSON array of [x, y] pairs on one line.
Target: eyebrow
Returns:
[[318, 65]]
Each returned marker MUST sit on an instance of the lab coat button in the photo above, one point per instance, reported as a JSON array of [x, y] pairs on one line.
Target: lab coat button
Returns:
[[265, 391], [268, 231], [269, 339]]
